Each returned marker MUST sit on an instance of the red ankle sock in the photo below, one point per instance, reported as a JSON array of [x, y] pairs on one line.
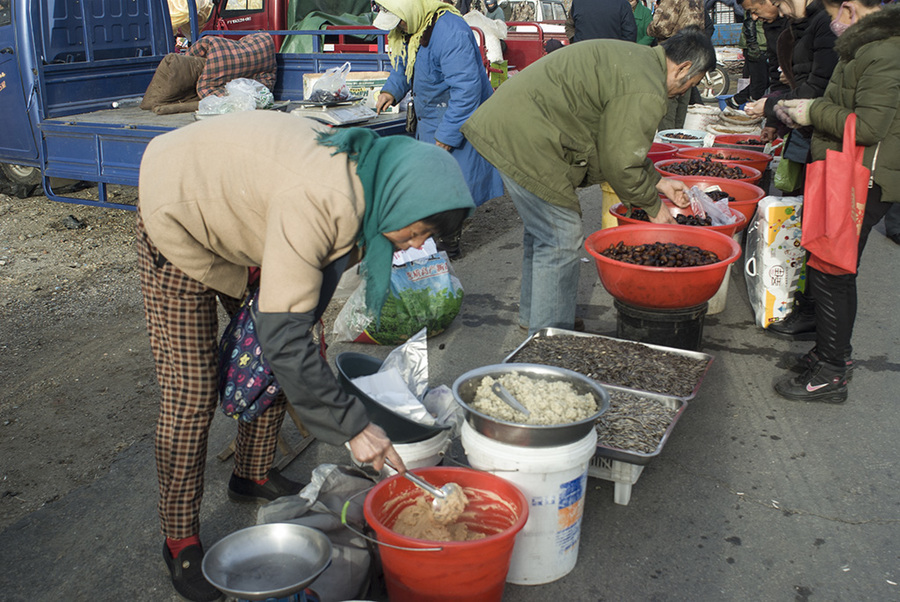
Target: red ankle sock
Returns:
[[177, 545]]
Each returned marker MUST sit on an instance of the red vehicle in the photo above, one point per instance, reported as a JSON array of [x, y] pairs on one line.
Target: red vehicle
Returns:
[[525, 40]]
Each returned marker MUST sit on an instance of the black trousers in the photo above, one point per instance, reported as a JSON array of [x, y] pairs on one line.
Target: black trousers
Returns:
[[835, 296]]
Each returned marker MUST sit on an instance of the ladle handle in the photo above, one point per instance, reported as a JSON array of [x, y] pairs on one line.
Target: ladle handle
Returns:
[[420, 482], [511, 401]]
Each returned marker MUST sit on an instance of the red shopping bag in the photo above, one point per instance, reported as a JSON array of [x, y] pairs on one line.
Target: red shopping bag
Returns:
[[834, 202]]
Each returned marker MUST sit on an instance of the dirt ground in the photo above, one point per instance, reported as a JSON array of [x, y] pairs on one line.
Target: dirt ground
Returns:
[[78, 385]]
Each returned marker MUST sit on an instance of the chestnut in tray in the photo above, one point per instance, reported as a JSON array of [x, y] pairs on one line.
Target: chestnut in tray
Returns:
[[684, 220], [706, 167], [659, 254]]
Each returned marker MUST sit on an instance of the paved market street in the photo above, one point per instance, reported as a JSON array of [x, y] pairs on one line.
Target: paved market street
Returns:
[[752, 498]]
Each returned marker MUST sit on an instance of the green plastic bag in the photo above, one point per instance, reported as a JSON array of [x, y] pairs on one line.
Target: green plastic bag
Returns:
[[424, 293], [787, 175]]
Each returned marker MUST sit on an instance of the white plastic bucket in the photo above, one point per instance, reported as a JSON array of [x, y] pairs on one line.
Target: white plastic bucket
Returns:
[[717, 302], [429, 452], [422, 453], [553, 480]]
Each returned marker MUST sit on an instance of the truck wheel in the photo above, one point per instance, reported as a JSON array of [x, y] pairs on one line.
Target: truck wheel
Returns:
[[24, 179], [714, 83]]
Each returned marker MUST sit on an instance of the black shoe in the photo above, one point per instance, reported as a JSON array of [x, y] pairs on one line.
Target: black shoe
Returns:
[[187, 575], [895, 238], [825, 383], [795, 325], [809, 359], [245, 490]]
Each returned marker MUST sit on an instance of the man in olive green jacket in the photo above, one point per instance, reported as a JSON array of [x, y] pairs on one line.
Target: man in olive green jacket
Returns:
[[584, 114]]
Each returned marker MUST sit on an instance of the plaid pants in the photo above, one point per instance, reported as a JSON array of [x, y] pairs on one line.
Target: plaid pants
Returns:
[[182, 322]]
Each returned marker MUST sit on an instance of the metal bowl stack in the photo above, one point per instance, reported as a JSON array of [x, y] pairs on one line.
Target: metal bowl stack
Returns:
[[528, 435]]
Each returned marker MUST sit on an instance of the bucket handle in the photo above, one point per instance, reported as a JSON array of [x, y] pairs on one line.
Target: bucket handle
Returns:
[[372, 539], [750, 267]]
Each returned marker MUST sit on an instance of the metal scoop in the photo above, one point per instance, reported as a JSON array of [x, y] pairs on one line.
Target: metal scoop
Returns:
[[443, 511], [501, 392]]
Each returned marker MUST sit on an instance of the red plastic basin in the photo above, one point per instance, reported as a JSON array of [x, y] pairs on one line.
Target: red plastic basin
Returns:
[[751, 175], [618, 211], [731, 140], [746, 195], [659, 151], [662, 288], [753, 159]]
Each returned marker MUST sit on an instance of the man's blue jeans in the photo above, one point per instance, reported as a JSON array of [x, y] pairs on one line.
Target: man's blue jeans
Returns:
[[550, 262]]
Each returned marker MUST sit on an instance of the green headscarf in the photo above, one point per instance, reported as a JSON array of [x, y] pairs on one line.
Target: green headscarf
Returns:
[[418, 15], [404, 181]]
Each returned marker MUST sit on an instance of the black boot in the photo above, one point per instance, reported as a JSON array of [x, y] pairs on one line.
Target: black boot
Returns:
[[450, 244], [800, 323], [824, 382]]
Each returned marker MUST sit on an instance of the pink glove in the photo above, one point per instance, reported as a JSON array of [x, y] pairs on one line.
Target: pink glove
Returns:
[[783, 116], [798, 110]]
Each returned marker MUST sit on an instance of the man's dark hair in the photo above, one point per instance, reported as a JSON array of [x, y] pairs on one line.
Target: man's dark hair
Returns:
[[691, 44], [446, 222]]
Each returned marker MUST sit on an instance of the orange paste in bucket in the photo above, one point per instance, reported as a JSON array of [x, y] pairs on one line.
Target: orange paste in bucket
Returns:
[[416, 519]]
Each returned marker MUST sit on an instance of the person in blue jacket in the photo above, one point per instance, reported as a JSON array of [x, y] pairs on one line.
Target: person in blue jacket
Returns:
[[434, 54]]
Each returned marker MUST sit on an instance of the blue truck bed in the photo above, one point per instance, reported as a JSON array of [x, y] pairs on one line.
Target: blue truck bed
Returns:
[[77, 57]]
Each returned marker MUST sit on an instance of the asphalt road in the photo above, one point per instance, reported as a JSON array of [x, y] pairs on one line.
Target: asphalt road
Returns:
[[753, 497]]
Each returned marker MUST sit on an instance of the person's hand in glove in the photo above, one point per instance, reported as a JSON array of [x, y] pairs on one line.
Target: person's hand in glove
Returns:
[[797, 110], [782, 115]]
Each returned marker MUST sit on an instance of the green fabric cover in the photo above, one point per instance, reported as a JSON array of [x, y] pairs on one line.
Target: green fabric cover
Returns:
[[319, 20]]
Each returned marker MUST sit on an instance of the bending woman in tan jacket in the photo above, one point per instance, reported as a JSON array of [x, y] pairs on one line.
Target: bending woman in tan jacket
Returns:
[[269, 190]]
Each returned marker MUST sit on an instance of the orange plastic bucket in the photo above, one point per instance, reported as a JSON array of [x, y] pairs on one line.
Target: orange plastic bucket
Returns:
[[418, 570]]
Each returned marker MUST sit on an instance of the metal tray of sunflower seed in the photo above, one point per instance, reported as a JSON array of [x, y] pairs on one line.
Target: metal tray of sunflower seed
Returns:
[[641, 367], [637, 424]]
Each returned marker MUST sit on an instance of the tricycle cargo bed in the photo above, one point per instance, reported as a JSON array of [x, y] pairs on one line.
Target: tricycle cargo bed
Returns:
[[107, 146], [104, 146]]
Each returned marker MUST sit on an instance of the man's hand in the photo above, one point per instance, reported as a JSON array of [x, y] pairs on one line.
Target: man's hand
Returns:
[[446, 147], [371, 445], [757, 108], [798, 110], [768, 134], [664, 216], [385, 101], [675, 191]]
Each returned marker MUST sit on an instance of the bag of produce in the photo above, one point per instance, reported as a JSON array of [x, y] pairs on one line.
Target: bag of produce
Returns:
[[424, 293], [331, 87]]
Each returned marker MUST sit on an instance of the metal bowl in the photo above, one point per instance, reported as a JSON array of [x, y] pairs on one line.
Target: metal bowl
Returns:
[[267, 561], [528, 435]]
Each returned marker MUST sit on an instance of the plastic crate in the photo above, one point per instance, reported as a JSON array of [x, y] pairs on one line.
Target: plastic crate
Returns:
[[623, 474]]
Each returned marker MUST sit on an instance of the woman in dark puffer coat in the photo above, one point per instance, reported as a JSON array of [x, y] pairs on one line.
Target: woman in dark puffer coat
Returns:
[[866, 82]]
